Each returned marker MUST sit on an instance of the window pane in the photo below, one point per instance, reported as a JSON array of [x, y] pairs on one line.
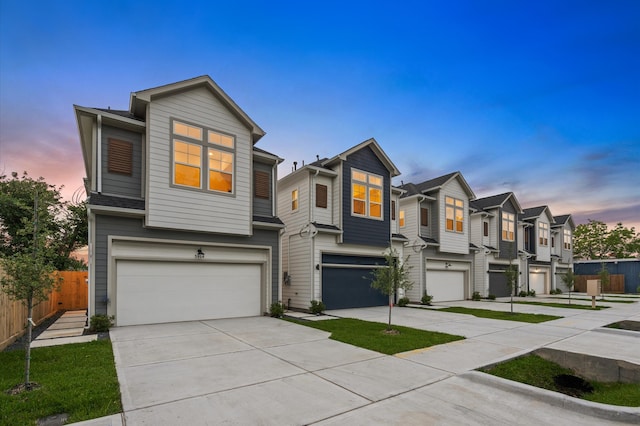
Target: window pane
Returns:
[[459, 226], [459, 203], [220, 139], [220, 181], [448, 200], [187, 175], [359, 207], [187, 130], [362, 177], [450, 224], [375, 210], [449, 213], [375, 195], [375, 180], [359, 192]]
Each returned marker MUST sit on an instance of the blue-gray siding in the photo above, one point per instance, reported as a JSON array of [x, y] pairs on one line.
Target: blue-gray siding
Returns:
[[359, 230], [132, 227], [116, 183], [508, 249]]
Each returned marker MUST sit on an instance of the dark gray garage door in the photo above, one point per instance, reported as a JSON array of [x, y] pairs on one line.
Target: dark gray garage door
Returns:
[[346, 282], [498, 281]]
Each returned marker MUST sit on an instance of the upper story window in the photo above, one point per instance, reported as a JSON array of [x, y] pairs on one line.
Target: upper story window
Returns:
[[393, 209], [195, 158], [553, 241], [321, 196], [366, 194], [262, 184], [543, 233], [454, 211], [485, 225], [526, 238], [508, 226], [401, 218], [294, 199], [567, 239]]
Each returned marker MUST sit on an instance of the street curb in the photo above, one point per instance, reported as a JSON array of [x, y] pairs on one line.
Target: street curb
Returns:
[[616, 413]]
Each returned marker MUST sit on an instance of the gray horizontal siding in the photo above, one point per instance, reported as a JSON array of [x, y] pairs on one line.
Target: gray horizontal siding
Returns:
[[116, 183], [132, 227]]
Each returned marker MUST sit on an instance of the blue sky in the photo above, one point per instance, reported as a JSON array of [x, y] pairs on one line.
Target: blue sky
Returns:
[[540, 98]]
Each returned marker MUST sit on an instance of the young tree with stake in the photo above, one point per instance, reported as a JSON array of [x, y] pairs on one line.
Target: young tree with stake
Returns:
[[392, 277]]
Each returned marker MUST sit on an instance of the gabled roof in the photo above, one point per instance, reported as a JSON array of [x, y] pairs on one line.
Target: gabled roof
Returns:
[[495, 201], [535, 212], [563, 219], [436, 184], [266, 154], [373, 144], [139, 100]]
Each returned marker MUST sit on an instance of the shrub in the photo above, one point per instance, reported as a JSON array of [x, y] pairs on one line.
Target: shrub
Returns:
[[317, 307], [403, 301], [532, 293], [276, 310], [555, 291], [492, 297], [476, 296], [522, 294], [426, 299], [101, 323]]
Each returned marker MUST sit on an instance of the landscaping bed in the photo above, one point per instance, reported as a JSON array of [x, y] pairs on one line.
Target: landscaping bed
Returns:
[[371, 335], [562, 305], [536, 371], [500, 315]]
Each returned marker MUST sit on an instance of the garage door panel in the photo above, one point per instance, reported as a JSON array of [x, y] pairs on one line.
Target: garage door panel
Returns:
[[157, 292], [536, 282], [445, 286], [498, 284]]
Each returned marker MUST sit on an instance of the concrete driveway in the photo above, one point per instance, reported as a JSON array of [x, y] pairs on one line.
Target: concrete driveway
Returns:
[[267, 371]]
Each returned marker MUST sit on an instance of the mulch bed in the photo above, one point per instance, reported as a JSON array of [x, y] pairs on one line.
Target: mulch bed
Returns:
[[35, 332]]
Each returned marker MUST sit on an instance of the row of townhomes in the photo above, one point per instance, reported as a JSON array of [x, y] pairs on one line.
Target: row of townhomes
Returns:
[[188, 219]]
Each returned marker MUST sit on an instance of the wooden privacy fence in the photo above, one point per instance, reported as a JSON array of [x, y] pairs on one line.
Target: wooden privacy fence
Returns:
[[72, 294], [616, 283]]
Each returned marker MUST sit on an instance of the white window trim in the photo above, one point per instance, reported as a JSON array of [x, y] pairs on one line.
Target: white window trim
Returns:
[[509, 218], [367, 202], [401, 219], [455, 208], [543, 234], [566, 239], [205, 146], [297, 199]]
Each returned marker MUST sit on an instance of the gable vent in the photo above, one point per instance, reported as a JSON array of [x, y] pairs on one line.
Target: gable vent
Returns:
[[120, 157]]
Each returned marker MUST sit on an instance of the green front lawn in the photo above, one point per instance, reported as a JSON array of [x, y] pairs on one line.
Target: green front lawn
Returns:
[[536, 371], [487, 313], [563, 305], [77, 379], [371, 335]]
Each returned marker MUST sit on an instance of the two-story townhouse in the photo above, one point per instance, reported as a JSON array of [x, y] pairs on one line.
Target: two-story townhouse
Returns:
[[340, 215], [539, 243], [494, 230], [561, 250], [182, 207], [434, 216]]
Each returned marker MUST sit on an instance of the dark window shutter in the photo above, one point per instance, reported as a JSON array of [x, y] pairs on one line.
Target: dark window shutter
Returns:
[[393, 210], [486, 229], [120, 157], [321, 195], [424, 217], [261, 184]]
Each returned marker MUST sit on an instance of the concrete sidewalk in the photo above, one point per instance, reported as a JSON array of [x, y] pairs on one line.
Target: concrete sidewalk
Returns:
[[69, 328], [266, 371]]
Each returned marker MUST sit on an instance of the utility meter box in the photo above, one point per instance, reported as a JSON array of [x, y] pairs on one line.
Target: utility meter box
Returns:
[[594, 288]]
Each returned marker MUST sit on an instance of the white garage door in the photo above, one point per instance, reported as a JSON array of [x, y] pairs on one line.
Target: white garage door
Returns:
[[445, 285], [536, 282], [156, 292]]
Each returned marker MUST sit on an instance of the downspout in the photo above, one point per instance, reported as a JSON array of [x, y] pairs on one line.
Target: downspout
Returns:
[[99, 154], [312, 246], [423, 263]]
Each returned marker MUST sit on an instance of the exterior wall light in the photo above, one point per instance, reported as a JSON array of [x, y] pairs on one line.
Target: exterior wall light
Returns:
[[199, 254]]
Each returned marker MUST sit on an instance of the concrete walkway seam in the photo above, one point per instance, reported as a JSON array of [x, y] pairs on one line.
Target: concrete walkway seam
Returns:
[[617, 413]]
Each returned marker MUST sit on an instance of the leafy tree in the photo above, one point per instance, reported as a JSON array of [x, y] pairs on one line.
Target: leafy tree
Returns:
[[594, 240], [604, 276], [29, 278], [63, 225], [569, 279], [394, 276]]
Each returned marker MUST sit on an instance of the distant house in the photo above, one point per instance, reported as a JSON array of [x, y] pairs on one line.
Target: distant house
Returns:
[[495, 230], [182, 207], [434, 216], [561, 250], [340, 215], [630, 268]]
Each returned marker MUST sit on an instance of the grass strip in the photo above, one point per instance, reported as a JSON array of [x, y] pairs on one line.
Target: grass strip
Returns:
[[562, 305], [499, 315], [371, 335], [536, 371], [77, 379], [598, 300]]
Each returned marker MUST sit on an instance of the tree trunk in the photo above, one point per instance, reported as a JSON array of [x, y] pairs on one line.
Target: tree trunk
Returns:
[[390, 305], [27, 358]]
